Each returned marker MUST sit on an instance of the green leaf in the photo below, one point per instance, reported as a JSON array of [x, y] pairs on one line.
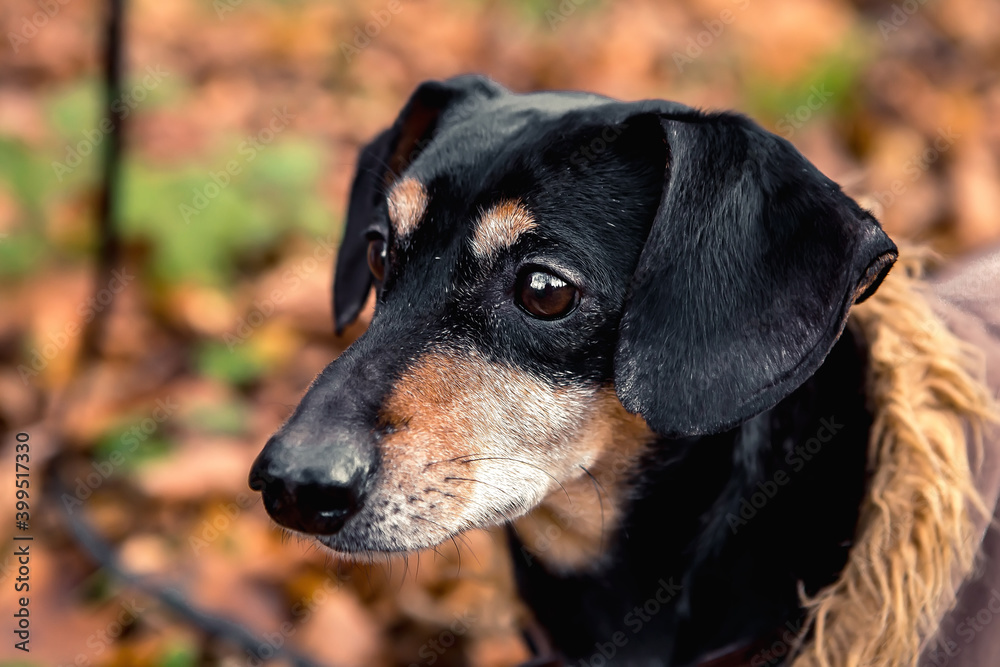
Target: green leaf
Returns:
[[182, 654], [240, 365], [130, 444]]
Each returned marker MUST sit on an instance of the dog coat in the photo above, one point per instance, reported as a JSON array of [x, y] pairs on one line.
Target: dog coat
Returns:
[[922, 583]]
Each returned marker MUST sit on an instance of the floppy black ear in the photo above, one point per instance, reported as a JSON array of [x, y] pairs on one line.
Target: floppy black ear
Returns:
[[379, 164], [744, 284]]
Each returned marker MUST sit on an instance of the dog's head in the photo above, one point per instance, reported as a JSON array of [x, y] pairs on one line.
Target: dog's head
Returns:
[[562, 280]]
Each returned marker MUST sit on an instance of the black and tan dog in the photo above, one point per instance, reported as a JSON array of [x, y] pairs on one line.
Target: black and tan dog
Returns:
[[621, 328]]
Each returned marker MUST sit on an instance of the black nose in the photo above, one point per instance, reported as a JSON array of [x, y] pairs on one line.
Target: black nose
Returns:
[[312, 487]]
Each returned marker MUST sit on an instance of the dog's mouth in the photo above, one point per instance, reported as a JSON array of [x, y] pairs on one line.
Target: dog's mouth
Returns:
[[469, 444], [563, 521]]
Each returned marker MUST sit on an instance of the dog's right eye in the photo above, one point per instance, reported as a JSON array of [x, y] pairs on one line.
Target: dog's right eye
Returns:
[[376, 258], [546, 295]]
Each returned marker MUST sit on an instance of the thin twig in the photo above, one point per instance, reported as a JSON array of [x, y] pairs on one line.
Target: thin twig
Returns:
[[223, 628], [108, 258]]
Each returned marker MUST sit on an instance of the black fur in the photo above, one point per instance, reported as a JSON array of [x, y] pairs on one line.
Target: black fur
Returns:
[[745, 280], [716, 267], [729, 570]]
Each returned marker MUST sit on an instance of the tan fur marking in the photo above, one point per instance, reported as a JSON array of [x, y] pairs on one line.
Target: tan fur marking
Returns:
[[476, 443], [569, 530], [407, 205], [915, 538], [500, 227]]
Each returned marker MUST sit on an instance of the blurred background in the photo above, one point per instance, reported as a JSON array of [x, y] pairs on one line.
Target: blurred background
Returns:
[[243, 121]]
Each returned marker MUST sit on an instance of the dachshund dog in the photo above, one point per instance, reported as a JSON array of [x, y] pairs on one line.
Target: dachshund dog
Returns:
[[617, 328]]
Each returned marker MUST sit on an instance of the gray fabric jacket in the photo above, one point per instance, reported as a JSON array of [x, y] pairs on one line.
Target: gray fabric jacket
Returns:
[[969, 635]]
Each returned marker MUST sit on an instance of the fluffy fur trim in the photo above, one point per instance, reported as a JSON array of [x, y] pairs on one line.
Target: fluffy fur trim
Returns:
[[915, 541]]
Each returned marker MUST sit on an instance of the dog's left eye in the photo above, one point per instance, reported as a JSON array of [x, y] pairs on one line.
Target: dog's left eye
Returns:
[[546, 295], [376, 258]]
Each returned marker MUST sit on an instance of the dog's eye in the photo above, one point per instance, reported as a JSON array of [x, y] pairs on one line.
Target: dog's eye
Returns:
[[376, 258], [546, 296]]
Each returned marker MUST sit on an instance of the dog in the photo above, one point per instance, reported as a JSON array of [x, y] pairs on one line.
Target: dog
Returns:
[[620, 329]]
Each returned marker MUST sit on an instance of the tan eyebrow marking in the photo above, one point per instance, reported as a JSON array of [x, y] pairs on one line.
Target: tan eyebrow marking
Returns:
[[500, 227], [407, 205]]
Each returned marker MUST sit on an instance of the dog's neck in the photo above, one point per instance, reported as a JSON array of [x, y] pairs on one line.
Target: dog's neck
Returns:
[[722, 532]]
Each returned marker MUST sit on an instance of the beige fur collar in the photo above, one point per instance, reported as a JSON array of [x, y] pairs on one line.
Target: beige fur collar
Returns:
[[916, 539]]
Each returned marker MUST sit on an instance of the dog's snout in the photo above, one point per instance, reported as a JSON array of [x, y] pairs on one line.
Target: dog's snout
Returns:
[[312, 487]]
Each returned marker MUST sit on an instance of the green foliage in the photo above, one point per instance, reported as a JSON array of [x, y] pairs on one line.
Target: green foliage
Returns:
[[30, 178], [829, 86], [201, 225], [75, 109], [132, 440], [20, 254], [181, 654], [241, 218], [27, 175], [80, 107], [238, 366]]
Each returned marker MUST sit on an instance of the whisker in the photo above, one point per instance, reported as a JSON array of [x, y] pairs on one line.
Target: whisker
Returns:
[[423, 518], [527, 463], [368, 569], [451, 460], [598, 487], [458, 552], [468, 544], [470, 479]]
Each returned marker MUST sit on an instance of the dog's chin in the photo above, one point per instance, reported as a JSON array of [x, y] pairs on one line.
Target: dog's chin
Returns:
[[363, 539], [394, 522], [350, 547], [367, 550], [350, 550]]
